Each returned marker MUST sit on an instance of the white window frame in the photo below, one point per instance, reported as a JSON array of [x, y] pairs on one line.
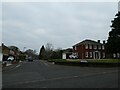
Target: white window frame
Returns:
[[114, 55], [86, 54], [86, 46], [75, 48], [99, 47], [103, 47], [91, 54], [103, 54], [118, 55], [90, 46]]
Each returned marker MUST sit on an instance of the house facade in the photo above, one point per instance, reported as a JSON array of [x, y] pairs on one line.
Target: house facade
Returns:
[[6, 52], [89, 49]]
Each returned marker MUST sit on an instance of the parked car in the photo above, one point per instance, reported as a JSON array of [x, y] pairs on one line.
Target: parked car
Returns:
[[73, 57], [30, 59], [10, 58]]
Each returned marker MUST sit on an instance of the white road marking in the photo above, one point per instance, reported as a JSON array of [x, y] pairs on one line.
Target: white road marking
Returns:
[[12, 68], [53, 62], [104, 72], [44, 87], [75, 76], [17, 66], [46, 64], [8, 64]]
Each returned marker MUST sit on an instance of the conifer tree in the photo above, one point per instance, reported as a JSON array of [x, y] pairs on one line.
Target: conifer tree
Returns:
[[113, 42], [42, 53]]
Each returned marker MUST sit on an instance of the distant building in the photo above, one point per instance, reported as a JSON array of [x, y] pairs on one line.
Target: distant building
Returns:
[[89, 49], [1, 55], [6, 52], [66, 53]]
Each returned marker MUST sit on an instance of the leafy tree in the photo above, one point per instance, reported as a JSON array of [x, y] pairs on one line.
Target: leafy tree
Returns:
[[42, 53], [22, 56], [31, 53], [57, 54], [113, 43]]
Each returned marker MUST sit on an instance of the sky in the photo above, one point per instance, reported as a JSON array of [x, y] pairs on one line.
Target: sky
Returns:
[[33, 24]]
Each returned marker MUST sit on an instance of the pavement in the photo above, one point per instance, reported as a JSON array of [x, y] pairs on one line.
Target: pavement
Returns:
[[10, 66]]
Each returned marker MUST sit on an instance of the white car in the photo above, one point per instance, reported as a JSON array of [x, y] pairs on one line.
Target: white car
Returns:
[[73, 56], [10, 58]]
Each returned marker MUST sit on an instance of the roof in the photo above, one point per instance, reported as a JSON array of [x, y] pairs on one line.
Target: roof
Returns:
[[67, 50], [5, 47], [87, 41]]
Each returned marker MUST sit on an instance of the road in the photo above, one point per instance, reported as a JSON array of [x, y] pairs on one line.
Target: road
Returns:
[[42, 74]]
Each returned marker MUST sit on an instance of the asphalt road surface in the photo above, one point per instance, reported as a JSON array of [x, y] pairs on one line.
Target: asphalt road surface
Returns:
[[42, 74]]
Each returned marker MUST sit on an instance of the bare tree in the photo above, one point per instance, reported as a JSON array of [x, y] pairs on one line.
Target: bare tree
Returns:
[[48, 50]]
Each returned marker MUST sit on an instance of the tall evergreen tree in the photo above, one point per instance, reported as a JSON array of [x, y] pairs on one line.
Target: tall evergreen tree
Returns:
[[42, 53], [113, 43]]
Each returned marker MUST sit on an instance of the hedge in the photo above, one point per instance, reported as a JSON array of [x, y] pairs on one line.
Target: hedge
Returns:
[[105, 62]]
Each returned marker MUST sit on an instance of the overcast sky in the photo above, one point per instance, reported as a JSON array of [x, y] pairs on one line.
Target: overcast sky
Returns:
[[33, 24]]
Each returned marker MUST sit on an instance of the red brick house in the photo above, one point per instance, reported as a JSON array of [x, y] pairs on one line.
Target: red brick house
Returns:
[[89, 49]]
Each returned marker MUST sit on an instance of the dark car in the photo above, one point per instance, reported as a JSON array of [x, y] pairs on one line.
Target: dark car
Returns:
[[30, 59]]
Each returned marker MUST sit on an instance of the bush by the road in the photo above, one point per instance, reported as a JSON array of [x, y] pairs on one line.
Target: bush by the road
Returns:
[[100, 62], [4, 64], [62, 60]]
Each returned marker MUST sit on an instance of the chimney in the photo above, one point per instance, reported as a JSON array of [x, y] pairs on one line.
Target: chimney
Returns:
[[103, 41], [98, 41]]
